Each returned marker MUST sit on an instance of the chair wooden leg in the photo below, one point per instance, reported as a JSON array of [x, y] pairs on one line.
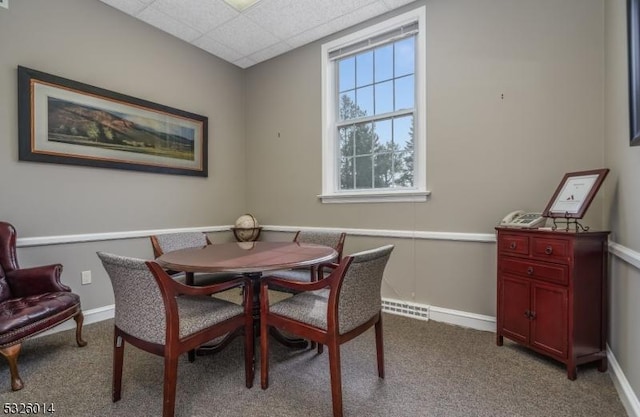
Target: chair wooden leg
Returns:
[[11, 353], [170, 384], [118, 358], [380, 347], [79, 318], [336, 378], [264, 353]]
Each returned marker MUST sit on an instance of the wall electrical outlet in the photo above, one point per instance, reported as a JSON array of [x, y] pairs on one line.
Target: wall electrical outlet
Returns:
[[86, 277], [4, 3]]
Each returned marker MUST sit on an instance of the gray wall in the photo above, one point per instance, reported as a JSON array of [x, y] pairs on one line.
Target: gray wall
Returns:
[[90, 42], [623, 199]]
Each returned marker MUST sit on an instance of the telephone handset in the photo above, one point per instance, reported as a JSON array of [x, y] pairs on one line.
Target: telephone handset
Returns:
[[519, 218]]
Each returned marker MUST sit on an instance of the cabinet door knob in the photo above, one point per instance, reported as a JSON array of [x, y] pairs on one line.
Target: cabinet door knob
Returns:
[[530, 270], [512, 245], [527, 314], [532, 315], [548, 250]]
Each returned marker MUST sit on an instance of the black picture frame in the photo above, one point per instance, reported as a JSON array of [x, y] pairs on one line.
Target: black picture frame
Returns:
[[63, 121], [574, 194], [633, 45]]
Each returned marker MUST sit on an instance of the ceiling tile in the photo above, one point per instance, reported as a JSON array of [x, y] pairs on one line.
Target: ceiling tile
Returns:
[[243, 35], [168, 24], [285, 18], [310, 35], [357, 16], [203, 15], [211, 45]]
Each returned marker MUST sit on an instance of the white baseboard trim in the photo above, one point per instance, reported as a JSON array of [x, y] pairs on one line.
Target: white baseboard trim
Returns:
[[463, 318], [625, 392]]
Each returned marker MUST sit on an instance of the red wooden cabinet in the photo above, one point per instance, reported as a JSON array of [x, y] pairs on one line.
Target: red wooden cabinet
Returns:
[[552, 294]]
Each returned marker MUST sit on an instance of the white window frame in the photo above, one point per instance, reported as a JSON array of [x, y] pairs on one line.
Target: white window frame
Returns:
[[330, 189]]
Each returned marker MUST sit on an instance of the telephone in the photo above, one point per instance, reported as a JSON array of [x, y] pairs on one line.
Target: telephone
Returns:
[[519, 218]]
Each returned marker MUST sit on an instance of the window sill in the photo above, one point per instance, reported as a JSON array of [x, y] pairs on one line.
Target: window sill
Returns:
[[376, 197]]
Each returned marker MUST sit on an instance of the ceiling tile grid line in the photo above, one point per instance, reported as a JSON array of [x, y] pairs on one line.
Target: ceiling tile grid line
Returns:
[[260, 32]]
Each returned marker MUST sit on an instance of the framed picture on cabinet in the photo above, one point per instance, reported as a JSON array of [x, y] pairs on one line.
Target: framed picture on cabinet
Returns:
[[67, 122], [575, 193]]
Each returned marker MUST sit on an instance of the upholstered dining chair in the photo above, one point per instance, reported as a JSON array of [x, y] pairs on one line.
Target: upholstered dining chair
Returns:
[[158, 314], [330, 311], [334, 240], [32, 300], [169, 242]]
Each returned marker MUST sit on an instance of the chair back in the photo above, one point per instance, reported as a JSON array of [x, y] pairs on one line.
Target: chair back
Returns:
[[8, 257], [332, 239], [176, 241], [358, 293], [140, 310]]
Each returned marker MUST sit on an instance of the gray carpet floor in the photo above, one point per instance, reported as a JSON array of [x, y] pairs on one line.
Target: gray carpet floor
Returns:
[[432, 369]]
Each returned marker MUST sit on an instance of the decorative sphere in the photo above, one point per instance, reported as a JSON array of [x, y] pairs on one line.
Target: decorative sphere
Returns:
[[247, 228]]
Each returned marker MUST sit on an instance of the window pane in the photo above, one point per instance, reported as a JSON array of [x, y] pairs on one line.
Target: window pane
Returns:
[[383, 170], [364, 69], [347, 74], [364, 101], [348, 109], [383, 132], [405, 93], [403, 165], [403, 131], [383, 63], [405, 56], [346, 174], [363, 172], [346, 141], [364, 139], [384, 97]]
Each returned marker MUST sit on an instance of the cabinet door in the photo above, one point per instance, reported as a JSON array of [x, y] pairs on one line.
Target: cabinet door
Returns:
[[513, 299], [549, 318]]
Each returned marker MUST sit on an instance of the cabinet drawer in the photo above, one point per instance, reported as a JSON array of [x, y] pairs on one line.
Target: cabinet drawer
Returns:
[[550, 249], [514, 244], [548, 272]]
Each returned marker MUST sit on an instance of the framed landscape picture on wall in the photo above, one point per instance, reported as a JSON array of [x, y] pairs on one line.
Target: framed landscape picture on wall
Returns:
[[67, 122]]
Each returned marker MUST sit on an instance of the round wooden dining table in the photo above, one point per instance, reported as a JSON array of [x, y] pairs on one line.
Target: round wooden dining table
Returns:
[[252, 259]]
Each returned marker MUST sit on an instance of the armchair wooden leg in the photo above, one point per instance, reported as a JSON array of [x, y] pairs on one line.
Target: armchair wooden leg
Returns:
[[336, 378], [170, 384], [118, 358], [79, 318], [11, 353], [380, 347]]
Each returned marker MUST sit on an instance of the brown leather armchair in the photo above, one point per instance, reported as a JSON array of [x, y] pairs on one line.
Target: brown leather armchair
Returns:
[[32, 300]]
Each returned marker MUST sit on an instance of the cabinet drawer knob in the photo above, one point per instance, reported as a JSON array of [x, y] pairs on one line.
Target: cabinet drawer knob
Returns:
[[530, 270], [548, 250], [512, 245]]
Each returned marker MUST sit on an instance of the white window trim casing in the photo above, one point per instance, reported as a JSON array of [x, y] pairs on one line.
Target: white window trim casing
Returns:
[[329, 143]]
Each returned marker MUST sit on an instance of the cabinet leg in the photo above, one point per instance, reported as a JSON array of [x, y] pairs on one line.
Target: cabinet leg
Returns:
[[572, 372], [499, 340], [603, 365]]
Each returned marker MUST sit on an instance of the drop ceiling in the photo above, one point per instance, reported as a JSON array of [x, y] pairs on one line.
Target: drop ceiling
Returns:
[[261, 31]]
